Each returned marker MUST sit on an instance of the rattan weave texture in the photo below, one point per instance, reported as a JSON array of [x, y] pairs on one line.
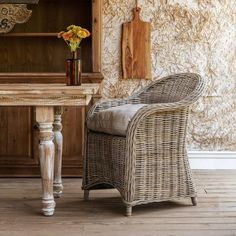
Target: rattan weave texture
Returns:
[[149, 164]]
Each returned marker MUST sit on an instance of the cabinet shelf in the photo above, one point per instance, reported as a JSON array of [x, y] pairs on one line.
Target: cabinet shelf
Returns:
[[29, 35], [94, 77], [33, 47]]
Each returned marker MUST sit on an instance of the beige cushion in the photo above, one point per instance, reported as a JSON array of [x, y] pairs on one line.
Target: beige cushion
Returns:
[[114, 120]]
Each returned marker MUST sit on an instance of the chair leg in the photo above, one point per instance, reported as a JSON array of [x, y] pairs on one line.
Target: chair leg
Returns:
[[86, 195], [128, 211], [194, 201]]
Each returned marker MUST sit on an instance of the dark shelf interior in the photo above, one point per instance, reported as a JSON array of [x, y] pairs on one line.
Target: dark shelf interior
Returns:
[[35, 53]]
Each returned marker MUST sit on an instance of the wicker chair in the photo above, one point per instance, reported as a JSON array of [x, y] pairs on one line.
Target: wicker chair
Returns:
[[150, 163]]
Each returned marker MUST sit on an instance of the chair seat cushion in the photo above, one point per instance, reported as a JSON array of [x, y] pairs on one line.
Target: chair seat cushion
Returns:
[[114, 120]]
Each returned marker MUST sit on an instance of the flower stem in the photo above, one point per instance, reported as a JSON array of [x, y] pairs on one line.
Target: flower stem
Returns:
[[74, 54]]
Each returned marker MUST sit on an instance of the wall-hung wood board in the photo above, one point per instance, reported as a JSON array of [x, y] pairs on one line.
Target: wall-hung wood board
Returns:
[[136, 48]]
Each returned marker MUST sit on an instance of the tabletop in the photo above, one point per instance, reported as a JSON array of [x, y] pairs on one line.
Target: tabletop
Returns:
[[47, 94]]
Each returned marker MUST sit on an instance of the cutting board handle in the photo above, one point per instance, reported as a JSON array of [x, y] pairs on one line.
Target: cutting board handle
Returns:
[[136, 11]]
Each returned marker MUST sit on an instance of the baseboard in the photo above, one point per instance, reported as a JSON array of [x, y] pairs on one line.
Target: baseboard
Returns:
[[212, 160]]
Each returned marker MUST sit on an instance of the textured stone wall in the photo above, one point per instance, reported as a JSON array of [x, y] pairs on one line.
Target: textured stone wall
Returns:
[[187, 36]]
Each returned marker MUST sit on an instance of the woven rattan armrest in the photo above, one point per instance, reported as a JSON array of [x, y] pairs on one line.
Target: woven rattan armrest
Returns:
[[151, 109]]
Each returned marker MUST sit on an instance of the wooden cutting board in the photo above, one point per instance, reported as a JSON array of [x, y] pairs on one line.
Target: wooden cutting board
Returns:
[[136, 48]]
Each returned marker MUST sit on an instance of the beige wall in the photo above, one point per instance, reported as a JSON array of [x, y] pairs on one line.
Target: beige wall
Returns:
[[187, 36]]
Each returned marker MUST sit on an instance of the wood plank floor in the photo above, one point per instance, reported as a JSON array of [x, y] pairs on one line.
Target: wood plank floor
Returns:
[[103, 214]]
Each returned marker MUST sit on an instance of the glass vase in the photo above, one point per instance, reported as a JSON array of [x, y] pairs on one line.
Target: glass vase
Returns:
[[73, 70]]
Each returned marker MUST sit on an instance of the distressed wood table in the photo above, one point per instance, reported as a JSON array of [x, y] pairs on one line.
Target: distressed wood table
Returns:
[[48, 99]]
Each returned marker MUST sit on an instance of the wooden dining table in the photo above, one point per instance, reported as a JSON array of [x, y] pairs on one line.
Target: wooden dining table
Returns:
[[48, 100]]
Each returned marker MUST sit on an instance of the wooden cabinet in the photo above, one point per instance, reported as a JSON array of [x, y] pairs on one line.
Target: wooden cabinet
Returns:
[[32, 53]]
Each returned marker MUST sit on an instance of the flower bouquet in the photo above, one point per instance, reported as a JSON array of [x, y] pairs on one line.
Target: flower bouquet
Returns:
[[73, 37]]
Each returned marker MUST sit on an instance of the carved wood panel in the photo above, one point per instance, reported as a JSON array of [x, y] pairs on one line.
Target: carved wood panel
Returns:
[[11, 14]]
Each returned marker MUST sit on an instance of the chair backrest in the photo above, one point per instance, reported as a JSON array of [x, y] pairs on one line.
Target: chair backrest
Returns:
[[174, 88]]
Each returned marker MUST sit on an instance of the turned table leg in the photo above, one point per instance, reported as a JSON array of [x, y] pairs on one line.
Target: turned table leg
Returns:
[[44, 117], [58, 141]]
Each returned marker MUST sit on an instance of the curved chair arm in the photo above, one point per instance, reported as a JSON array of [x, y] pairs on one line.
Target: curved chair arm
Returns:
[[164, 122], [148, 110], [197, 92], [174, 106]]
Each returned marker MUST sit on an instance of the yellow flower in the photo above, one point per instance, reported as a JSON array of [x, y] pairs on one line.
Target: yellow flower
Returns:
[[83, 33], [73, 36]]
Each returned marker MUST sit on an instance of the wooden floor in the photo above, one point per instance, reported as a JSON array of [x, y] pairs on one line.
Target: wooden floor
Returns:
[[103, 214]]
